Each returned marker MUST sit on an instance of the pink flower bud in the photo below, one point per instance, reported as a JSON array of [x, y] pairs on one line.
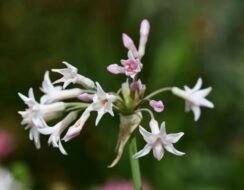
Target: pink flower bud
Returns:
[[145, 27], [115, 69], [136, 86], [158, 106], [129, 44], [86, 97]]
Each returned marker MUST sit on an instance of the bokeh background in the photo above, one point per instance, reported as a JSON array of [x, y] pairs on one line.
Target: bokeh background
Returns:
[[188, 39]]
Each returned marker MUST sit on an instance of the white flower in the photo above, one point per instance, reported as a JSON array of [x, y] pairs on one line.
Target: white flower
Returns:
[[36, 113], [194, 98], [55, 93], [157, 140], [102, 103], [57, 130], [70, 75]]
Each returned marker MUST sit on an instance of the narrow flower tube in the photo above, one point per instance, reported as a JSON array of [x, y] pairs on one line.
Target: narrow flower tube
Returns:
[[86, 97], [54, 94]]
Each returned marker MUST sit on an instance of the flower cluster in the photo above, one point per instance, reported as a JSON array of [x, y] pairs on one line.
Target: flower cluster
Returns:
[[129, 102]]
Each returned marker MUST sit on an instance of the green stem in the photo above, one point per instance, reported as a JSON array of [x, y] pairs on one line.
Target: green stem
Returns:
[[157, 92], [135, 167]]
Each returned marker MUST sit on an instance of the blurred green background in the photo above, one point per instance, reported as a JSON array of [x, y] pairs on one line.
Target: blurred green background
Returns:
[[188, 39]]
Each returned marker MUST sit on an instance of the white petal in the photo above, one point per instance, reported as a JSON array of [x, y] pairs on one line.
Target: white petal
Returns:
[[170, 148], [61, 148], [203, 92], [100, 92], [196, 111], [100, 114], [206, 103], [148, 137], [154, 126], [46, 130], [198, 85], [142, 152], [162, 129], [31, 94], [74, 69], [188, 106], [23, 97], [158, 151], [47, 84], [174, 137]]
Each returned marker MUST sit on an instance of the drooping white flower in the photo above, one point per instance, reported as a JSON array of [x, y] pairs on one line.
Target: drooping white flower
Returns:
[[194, 98], [56, 131], [70, 75], [56, 93], [158, 140], [36, 113], [102, 103]]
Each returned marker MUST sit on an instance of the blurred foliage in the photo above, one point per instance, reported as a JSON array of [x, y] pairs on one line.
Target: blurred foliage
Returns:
[[188, 39]]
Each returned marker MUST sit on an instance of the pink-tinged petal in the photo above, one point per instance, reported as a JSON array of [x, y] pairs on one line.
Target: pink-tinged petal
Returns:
[[158, 106], [158, 151], [154, 126], [170, 148], [115, 69], [129, 44], [143, 152], [86, 97]]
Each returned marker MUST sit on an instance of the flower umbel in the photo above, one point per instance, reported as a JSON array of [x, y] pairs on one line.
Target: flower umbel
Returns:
[[77, 103]]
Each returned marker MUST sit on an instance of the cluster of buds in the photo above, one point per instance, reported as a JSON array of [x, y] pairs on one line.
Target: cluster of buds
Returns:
[[74, 105]]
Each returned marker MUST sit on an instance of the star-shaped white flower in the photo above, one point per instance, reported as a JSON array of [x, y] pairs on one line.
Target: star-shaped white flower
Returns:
[[56, 93], [36, 113], [56, 131], [102, 103], [70, 75], [157, 140], [194, 98]]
